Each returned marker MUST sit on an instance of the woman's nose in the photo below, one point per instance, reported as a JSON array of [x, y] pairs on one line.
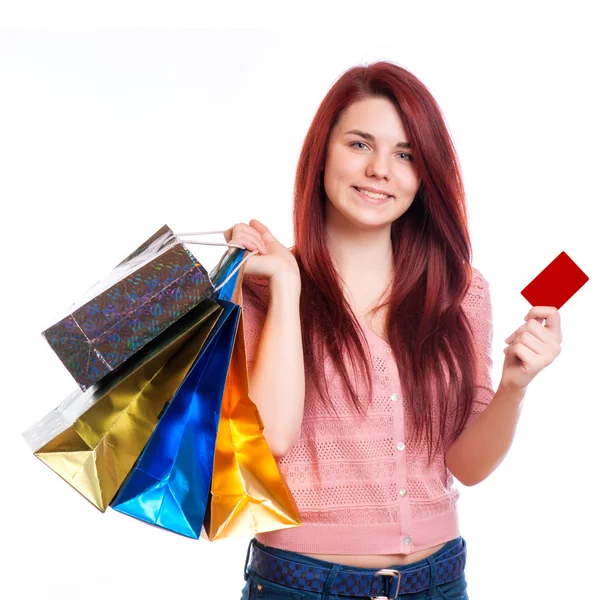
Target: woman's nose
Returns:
[[378, 166]]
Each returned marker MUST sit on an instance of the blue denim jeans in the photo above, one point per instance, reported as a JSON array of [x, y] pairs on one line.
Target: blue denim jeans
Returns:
[[259, 587]]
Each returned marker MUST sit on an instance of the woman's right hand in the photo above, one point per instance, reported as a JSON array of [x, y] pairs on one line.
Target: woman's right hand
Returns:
[[273, 257]]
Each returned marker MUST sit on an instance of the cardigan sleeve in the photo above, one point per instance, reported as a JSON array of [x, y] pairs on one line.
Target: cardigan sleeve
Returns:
[[479, 309]]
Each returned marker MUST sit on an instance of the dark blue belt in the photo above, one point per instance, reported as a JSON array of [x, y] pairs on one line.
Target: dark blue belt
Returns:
[[379, 584]]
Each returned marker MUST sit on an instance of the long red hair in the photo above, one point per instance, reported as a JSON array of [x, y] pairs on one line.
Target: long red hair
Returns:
[[427, 329]]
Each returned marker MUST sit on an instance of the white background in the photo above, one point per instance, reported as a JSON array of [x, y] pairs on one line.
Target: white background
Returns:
[[106, 134]]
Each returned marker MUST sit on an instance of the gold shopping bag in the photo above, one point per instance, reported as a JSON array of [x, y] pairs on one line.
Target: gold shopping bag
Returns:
[[93, 439], [248, 492]]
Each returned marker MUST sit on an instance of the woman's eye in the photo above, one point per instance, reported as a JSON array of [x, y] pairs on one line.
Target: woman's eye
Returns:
[[409, 156]]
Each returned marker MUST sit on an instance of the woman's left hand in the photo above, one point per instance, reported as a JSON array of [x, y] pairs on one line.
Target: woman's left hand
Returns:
[[531, 348]]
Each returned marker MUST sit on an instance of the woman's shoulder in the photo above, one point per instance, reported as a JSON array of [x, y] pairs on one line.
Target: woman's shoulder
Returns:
[[476, 301], [478, 281], [479, 284]]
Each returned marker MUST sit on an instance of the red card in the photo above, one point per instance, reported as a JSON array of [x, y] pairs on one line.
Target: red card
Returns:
[[556, 283]]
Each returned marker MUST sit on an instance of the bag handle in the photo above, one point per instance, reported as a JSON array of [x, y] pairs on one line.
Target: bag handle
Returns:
[[179, 235]]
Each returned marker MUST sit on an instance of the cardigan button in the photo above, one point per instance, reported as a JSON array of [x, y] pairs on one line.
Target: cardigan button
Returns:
[[388, 350], [403, 492], [400, 446], [395, 396], [408, 540]]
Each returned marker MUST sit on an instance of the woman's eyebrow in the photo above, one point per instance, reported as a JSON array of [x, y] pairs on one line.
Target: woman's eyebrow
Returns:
[[371, 137]]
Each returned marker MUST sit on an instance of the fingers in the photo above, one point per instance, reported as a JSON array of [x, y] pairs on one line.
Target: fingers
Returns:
[[248, 237], [534, 327], [265, 234], [258, 225], [251, 244]]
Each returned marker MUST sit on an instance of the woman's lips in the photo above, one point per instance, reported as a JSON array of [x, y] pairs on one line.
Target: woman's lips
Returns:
[[371, 200]]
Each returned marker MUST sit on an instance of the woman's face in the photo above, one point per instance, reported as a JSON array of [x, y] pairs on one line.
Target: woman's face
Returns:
[[375, 156]]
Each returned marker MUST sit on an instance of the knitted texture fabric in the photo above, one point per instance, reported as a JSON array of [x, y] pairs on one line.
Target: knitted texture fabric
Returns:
[[360, 486]]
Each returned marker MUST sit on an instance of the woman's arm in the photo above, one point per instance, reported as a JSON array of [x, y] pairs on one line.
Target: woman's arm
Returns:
[[276, 377], [484, 444]]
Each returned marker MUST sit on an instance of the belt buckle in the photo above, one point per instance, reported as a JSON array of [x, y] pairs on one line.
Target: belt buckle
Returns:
[[391, 573]]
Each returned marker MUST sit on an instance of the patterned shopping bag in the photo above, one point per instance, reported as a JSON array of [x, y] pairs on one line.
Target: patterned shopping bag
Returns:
[[151, 289]]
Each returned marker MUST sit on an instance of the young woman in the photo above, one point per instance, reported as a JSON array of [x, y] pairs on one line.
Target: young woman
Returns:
[[369, 353]]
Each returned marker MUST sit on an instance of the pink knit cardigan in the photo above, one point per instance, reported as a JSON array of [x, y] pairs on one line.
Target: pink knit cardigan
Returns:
[[361, 488]]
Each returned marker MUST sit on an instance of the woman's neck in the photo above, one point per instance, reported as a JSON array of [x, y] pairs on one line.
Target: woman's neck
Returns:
[[361, 255]]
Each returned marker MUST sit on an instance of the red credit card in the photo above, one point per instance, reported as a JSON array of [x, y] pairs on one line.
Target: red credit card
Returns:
[[556, 283]]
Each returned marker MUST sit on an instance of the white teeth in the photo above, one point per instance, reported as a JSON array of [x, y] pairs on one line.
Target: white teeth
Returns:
[[372, 195]]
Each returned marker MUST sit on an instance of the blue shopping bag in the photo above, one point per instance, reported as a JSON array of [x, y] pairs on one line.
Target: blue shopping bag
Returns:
[[170, 484]]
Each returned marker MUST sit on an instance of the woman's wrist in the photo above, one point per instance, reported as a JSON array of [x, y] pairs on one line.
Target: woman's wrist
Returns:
[[285, 282]]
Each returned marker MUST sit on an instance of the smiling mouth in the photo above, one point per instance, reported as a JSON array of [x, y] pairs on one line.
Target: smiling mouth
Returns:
[[371, 199]]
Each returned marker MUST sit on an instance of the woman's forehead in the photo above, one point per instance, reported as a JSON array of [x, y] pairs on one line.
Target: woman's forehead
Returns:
[[376, 117]]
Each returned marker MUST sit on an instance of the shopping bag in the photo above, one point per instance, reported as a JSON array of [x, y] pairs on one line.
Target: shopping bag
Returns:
[[93, 439], [151, 289], [170, 484], [248, 494]]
